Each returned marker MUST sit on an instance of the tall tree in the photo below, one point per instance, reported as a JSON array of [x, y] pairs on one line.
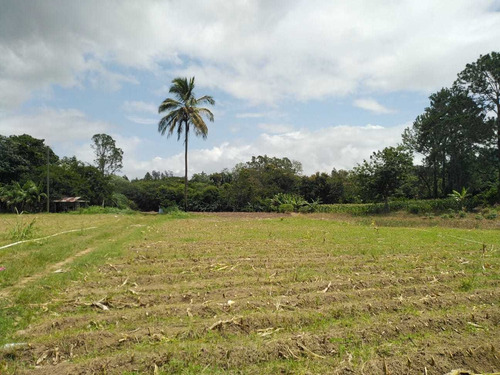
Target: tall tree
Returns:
[[385, 173], [183, 112], [108, 157], [482, 79], [21, 156], [449, 134]]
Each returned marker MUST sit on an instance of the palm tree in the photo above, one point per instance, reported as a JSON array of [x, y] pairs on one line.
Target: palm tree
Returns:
[[182, 112]]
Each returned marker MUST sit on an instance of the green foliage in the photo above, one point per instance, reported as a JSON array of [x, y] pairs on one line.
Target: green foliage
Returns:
[[71, 177], [122, 202], [293, 200], [282, 201], [418, 207], [103, 210], [21, 156], [326, 188], [174, 209], [491, 214], [27, 197], [22, 230], [256, 182], [385, 173], [460, 197], [108, 157], [451, 134], [285, 208]]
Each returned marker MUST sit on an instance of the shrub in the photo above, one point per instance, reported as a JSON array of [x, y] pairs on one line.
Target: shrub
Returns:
[[305, 210], [417, 207], [171, 209], [296, 201], [491, 215], [102, 210], [122, 202], [286, 207]]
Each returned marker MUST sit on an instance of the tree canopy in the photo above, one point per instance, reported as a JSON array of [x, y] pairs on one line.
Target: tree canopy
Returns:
[[108, 157]]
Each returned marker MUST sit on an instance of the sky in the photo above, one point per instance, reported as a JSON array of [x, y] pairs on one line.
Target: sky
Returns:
[[325, 83]]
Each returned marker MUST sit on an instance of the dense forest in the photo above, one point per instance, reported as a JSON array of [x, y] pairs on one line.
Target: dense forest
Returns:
[[457, 138]]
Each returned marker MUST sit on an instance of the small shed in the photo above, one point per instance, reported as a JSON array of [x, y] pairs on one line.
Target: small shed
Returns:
[[69, 204]]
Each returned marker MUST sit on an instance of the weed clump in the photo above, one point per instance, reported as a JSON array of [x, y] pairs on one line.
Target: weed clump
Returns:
[[23, 230]]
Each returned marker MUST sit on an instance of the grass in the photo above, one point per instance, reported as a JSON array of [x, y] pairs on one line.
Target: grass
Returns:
[[252, 294]]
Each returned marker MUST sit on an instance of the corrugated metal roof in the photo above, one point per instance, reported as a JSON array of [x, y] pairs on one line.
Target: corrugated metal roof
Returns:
[[70, 200]]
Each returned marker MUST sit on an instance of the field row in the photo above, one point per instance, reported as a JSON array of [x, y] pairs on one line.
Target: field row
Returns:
[[243, 294]]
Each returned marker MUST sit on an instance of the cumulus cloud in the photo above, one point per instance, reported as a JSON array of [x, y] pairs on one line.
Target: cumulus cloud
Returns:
[[69, 132], [340, 147], [255, 50], [372, 105], [62, 126]]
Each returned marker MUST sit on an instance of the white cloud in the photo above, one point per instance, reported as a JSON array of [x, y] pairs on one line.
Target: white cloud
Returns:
[[62, 126], [255, 50], [340, 147], [250, 115], [143, 120], [372, 105], [139, 106], [256, 115], [69, 132]]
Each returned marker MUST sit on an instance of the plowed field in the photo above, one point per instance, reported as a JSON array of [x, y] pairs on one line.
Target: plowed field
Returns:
[[255, 294]]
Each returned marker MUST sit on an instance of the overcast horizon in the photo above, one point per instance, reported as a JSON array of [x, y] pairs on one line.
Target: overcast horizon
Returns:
[[325, 83]]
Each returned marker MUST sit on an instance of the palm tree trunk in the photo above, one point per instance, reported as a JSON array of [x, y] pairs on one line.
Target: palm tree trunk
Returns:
[[186, 168]]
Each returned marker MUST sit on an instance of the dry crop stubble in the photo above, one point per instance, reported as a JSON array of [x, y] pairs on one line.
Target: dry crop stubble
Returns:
[[275, 294]]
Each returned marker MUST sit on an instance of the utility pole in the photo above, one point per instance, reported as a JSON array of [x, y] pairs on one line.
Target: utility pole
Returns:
[[48, 181]]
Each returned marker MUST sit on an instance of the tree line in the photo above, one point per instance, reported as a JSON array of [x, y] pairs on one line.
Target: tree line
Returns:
[[456, 138]]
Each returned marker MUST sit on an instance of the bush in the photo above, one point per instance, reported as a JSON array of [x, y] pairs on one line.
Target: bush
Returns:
[[122, 202], [417, 207], [491, 215], [285, 207], [306, 210], [102, 210], [280, 199]]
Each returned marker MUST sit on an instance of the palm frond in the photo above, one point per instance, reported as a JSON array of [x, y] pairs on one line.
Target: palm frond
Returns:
[[180, 129], [206, 112], [182, 89], [170, 121], [169, 105], [200, 127], [205, 99]]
